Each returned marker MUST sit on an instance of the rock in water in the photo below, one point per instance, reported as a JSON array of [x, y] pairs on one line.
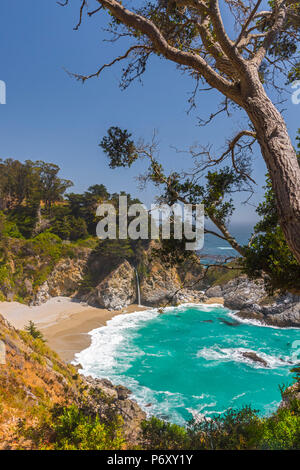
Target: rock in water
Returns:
[[229, 323], [255, 358]]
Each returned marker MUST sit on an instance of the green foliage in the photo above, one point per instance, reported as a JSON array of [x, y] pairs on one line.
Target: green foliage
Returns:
[[158, 434], [119, 147], [84, 206], [74, 430], [234, 430], [8, 228], [48, 245], [282, 431], [115, 250], [30, 182], [70, 228], [24, 219], [51, 187], [34, 332], [268, 252]]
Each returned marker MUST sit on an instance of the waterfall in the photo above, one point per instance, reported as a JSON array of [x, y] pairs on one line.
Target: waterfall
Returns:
[[138, 287]]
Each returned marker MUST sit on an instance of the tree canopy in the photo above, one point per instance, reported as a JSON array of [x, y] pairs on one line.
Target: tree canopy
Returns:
[[257, 46]]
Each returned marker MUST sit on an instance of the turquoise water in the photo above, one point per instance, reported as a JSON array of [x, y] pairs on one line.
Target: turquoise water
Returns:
[[188, 363]]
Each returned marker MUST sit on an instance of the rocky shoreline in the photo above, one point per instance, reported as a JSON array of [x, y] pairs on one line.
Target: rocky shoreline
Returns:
[[250, 301], [115, 397]]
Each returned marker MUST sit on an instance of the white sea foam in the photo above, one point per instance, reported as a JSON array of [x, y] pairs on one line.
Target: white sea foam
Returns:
[[99, 357], [215, 353], [201, 412], [251, 321], [238, 396], [110, 355]]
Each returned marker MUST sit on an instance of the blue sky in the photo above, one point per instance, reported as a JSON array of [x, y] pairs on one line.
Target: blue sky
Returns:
[[50, 116]]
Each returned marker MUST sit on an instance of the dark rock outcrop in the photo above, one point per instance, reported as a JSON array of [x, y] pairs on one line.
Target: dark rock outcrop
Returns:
[[115, 397], [255, 358]]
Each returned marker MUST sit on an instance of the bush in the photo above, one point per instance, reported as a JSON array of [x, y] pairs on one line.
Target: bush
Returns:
[[48, 245], [158, 434], [234, 430], [70, 228], [73, 430], [282, 431]]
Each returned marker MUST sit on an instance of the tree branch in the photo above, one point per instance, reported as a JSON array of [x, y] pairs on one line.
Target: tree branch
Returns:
[[83, 78], [161, 46]]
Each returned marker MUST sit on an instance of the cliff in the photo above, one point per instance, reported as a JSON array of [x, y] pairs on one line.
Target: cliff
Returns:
[[109, 283], [46, 267]]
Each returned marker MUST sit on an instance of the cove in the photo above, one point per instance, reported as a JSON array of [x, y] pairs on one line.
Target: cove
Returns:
[[193, 360]]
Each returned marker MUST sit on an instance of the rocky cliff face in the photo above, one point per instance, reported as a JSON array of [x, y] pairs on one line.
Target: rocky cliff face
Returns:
[[64, 280], [251, 301], [116, 291], [161, 284], [116, 288]]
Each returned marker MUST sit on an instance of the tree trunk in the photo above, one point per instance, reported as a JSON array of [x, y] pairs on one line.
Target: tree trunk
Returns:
[[230, 239], [281, 161]]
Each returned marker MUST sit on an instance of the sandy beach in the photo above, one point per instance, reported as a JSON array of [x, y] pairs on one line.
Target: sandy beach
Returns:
[[64, 322]]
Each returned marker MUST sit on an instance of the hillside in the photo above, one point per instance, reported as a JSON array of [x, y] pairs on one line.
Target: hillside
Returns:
[[40, 395]]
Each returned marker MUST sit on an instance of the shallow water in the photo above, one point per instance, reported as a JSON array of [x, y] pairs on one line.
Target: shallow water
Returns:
[[188, 363]]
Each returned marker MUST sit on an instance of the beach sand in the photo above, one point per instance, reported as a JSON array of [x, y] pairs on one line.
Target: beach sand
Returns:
[[64, 322]]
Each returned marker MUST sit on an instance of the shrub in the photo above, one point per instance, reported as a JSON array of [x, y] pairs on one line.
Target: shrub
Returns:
[[73, 430], [234, 430], [158, 434], [48, 245], [282, 431]]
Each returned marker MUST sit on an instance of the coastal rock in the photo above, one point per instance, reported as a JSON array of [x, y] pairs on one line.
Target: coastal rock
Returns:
[[215, 291], [291, 394], [255, 358], [104, 396], [251, 301], [241, 293], [160, 285], [117, 290], [64, 279], [189, 296]]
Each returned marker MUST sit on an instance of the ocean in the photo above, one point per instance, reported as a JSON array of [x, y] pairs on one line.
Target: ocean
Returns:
[[215, 249], [187, 363]]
